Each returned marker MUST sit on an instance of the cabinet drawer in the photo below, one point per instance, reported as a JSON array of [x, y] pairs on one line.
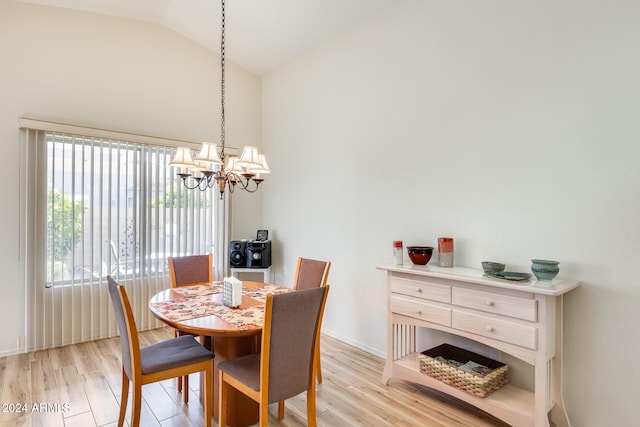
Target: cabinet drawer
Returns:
[[421, 289], [499, 329], [505, 305], [423, 310]]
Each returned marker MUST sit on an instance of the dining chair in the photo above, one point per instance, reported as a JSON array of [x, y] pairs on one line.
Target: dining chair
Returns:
[[311, 273], [189, 270], [285, 365], [168, 359]]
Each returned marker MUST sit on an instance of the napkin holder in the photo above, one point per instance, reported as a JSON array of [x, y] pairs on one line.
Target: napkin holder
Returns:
[[231, 292]]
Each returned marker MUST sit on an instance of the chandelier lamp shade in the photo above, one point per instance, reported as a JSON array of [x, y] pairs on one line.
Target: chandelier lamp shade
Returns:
[[211, 166]]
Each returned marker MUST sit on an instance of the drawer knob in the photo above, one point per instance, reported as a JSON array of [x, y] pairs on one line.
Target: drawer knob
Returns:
[[489, 303], [419, 290], [489, 328]]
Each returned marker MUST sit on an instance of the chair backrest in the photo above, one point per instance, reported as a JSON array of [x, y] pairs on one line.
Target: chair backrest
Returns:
[[192, 269], [127, 327], [311, 273], [290, 335]]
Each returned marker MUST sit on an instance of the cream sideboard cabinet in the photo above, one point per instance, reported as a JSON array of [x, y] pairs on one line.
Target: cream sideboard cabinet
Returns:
[[523, 319]]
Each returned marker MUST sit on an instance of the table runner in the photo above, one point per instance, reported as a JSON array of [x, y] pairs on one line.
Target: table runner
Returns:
[[260, 294], [194, 305], [193, 291]]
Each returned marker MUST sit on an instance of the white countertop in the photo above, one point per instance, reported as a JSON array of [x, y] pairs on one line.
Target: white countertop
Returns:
[[473, 275]]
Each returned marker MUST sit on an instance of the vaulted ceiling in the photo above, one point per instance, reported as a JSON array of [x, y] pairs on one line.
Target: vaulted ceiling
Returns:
[[260, 34]]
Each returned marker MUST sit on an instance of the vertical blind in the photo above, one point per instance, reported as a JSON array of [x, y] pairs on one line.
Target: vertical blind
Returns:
[[101, 206]]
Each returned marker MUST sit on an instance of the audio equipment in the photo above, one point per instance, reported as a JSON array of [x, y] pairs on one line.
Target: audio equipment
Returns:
[[250, 254], [259, 254], [238, 253]]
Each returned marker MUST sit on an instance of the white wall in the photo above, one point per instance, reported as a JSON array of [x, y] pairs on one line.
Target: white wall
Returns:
[[511, 126], [111, 73]]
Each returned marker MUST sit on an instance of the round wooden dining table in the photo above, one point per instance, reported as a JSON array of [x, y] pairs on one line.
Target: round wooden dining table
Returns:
[[228, 332]]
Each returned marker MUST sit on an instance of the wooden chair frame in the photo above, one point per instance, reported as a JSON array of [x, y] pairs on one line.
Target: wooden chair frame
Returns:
[[323, 282], [262, 396], [183, 382], [139, 379]]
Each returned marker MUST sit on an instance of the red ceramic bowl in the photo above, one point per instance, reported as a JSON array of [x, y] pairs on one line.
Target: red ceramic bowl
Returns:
[[420, 255]]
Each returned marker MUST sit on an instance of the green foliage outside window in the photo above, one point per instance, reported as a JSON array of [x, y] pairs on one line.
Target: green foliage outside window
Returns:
[[64, 224]]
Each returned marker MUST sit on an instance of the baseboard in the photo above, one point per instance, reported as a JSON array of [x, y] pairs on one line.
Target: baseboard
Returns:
[[12, 352], [357, 344]]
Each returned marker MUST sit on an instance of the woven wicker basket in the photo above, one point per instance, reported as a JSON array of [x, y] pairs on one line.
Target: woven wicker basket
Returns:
[[476, 385]]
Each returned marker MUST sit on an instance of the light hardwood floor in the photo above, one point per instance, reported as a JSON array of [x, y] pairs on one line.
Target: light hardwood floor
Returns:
[[79, 385]]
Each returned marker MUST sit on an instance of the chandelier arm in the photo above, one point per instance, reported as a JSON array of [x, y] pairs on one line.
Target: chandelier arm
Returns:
[[252, 190], [186, 184], [236, 179], [244, 182], [205, 183]]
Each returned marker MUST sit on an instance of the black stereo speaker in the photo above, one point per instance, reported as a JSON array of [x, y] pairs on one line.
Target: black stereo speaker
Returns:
[[259, 254], [250, 254], [238, 253]]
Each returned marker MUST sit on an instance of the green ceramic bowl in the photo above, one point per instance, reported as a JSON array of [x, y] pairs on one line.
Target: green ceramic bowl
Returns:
[[489, 266], [544, 269]]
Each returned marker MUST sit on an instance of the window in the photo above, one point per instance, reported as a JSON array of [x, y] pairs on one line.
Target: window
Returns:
[[97, 203], [116, 208]]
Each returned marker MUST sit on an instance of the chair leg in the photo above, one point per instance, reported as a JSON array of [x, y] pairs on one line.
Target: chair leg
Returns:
[[136, 402], [264, 415], [208, 395], [311, 406], [223, 392], [124, 398], [281, 409], [182, 381], [185, 390], [176, 334]]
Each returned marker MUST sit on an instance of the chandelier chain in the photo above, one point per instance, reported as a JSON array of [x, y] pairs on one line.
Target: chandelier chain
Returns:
[[222, 82], [210, 169]]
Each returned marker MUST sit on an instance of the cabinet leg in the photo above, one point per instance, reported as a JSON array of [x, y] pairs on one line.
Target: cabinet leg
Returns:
[[558, 416], [558, 413], [386, 373]]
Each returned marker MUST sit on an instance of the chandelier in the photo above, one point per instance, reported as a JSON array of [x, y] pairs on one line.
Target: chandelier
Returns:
[[212, 166]]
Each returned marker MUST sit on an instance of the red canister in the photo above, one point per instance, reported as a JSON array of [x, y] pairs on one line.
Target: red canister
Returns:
[[445, 252], [397, 252]]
